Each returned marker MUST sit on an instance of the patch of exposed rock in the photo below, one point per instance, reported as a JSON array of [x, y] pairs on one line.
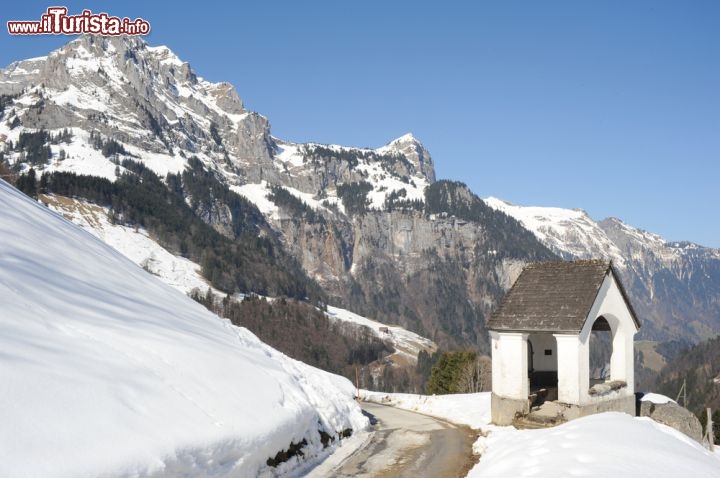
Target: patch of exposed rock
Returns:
[[675, 416]]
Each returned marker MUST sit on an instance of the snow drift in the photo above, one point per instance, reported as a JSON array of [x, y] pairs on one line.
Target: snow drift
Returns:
[[107, 371], [607, 444]]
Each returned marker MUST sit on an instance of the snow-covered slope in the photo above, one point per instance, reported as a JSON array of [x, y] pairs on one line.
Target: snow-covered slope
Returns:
[[407, 344], [568, 232], [106, 371], [133, 243], [609, 445]]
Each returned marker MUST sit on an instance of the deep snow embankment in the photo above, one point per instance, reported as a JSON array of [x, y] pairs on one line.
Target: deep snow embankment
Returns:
[[107, 371], [608, 444]]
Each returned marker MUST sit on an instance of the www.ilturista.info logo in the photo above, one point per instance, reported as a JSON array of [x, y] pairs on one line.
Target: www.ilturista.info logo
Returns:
[[57, 22]]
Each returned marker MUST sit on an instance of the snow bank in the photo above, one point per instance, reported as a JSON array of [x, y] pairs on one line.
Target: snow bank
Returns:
[[656, 398], [107, 371], [607, 444]]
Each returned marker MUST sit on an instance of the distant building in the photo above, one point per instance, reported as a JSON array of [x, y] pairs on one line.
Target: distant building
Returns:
[[540, 338]]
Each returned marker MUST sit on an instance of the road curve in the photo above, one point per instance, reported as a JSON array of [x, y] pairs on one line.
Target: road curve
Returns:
[[408, 444]]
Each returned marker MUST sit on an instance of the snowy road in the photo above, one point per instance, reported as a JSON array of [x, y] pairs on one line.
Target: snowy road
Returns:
[[406, 444]]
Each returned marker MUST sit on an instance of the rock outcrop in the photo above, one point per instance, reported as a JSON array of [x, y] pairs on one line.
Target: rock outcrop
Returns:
[[675, 416]]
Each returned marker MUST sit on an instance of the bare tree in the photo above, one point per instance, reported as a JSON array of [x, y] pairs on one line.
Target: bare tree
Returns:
[[475, 375]]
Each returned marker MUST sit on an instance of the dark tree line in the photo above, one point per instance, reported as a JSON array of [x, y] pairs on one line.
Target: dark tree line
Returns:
[[27, 183], [354, 196], [397, 200], [205, 190], [301, 331], [108, 147], [64, 136], [320, 154], [5, 101], [295, 206], [35, 147], [697, 368]]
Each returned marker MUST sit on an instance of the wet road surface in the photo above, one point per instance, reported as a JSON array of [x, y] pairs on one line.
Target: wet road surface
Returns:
[[407, 444]]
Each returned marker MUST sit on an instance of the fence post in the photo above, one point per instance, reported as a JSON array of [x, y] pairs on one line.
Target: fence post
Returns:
[[709, 432]]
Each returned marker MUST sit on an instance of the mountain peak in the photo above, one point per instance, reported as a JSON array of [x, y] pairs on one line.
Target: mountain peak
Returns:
[[407, 137], [98, 45], [409, 146], [496, 203]]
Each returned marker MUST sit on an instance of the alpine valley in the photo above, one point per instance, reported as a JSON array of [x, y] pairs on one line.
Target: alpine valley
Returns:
[[128, 142]]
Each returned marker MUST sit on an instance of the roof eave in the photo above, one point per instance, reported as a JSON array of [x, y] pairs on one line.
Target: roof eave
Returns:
[[536, 331], [625, 296]]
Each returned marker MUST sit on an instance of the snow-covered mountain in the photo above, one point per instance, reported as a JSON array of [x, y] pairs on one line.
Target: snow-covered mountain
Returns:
[[675, 285], [570, 233], [159, 110], [107, 371], [357, 220]]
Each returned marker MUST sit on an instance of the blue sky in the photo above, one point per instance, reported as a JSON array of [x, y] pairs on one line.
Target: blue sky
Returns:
[[608, 106]]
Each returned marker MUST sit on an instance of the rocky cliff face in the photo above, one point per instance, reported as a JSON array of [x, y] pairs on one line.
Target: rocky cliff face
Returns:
[[433, 273], [677, 284]]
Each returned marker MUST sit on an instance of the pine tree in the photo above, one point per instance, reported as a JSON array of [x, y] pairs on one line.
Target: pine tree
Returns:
[[27, 183]]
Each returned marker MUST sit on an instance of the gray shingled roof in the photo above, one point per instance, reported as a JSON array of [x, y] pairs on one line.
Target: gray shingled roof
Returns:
[[554, 297]]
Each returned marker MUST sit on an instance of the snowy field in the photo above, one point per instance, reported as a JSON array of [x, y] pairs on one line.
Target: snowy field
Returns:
[[604, 445], [407, 344], [106, 371]]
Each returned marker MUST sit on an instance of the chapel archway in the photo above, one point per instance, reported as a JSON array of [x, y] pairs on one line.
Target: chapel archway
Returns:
[[600, 349]]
